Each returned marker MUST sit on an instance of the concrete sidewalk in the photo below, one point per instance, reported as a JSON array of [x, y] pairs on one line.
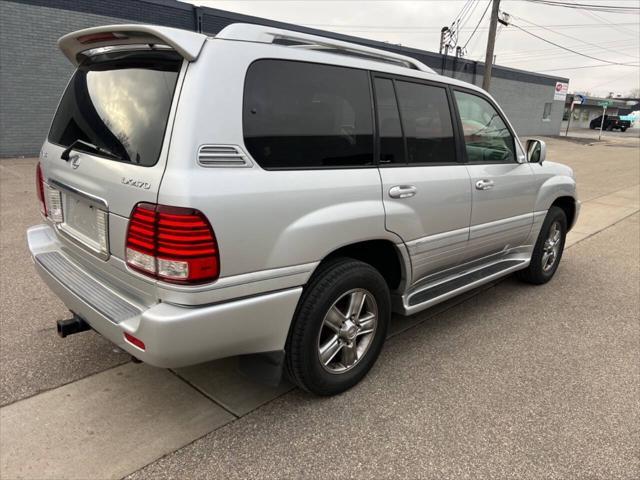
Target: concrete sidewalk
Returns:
[[63, 419]]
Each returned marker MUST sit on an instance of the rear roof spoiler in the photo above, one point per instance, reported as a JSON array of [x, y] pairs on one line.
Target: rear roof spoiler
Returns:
[[187, 44]]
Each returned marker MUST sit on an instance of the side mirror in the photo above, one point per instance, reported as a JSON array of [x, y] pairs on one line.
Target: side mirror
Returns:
[[536, 151]]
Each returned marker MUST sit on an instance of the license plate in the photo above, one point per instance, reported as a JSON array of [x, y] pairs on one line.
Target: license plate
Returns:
[[85, 223]]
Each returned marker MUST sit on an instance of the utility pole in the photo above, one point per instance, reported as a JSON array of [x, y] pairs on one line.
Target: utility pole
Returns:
[[491, 41], [443, 38]]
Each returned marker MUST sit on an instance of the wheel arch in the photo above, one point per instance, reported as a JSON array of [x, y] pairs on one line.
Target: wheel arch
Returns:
[[391, 260], [568, 206]]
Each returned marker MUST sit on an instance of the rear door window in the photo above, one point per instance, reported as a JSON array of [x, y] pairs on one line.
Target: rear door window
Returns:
[[306, 115], [120, 103], [389, 126], [426, 121]]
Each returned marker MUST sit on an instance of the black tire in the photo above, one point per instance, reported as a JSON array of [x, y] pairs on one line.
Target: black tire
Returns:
[[535, 273], [623, 129], [335, 281]]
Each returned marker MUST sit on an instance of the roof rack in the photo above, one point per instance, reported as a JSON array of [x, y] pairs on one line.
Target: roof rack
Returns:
[[264, 34]]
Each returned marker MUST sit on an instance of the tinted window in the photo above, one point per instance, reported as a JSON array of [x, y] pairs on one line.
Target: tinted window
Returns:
[[120, 103], [486, 136], [299, 115], [426, 122], [391, 140]]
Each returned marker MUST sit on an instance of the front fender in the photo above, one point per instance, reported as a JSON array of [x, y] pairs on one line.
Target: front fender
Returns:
[[553, 188]]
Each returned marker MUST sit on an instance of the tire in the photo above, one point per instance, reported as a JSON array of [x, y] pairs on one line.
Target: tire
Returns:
[[539, 270], [340, 283], [623, 129]]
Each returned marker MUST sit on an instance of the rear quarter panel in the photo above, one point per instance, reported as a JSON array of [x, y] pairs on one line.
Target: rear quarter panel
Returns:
[[262, 219]]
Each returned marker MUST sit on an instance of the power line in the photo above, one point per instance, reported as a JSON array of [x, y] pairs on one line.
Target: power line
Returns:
[[604, 22], [469, 15], [583, 66], [423, 28], [609, 81], [573, 38], [588, 6], [462, 12], [528, 54], [477, 25], [565, 48]]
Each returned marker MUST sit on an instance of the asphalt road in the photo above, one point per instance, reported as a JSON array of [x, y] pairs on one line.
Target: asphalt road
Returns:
[[516, 381]]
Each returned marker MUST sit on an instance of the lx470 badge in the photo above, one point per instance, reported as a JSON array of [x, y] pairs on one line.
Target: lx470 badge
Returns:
[[136, 183]]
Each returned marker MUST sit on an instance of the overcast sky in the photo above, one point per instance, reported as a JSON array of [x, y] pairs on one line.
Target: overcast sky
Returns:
[[614, 37]]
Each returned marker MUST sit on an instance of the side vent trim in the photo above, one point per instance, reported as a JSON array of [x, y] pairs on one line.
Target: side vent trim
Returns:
[[222, 156]]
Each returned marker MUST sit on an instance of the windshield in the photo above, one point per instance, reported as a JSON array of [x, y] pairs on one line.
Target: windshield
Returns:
[[119, 102]]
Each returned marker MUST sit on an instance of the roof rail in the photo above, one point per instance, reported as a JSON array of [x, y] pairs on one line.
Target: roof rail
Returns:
[[265, 34]]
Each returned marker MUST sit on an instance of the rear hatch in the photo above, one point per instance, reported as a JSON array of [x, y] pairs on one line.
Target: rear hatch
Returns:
[[107, 149]]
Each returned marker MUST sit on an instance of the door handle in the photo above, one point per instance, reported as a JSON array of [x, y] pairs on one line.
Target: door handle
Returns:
[[484, 184], [402, 191]]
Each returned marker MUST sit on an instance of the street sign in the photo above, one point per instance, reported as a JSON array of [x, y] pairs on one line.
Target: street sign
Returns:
[[606, 103], [561, 91]]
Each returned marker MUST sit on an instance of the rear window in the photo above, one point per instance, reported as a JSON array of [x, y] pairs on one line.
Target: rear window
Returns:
[[120, 103], [306, 115]]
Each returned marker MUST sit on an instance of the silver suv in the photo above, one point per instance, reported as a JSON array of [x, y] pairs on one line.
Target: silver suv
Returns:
[[277, 195]]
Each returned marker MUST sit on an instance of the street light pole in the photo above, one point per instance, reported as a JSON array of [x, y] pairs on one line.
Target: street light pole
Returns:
[[491, 41]]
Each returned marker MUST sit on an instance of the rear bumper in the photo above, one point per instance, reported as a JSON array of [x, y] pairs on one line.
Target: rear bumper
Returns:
[[174, 335]]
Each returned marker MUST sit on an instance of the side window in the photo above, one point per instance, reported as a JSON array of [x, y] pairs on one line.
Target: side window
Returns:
[[305, 115], [546, 114], [391, 140], [426, 121], [486, 136]]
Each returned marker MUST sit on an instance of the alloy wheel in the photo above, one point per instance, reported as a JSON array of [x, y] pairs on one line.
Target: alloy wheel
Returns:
[[347, 331]]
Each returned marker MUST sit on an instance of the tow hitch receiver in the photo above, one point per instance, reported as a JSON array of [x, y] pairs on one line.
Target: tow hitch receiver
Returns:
[[72, 325]]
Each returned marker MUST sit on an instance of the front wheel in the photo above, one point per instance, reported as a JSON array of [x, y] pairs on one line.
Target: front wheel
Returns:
[[339, 327], [548, 249], [623, 129]]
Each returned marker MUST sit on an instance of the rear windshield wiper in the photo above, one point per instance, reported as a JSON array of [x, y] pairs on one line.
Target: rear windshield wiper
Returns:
[[91, 148]]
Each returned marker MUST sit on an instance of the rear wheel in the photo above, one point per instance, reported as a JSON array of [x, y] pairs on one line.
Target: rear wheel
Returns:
[[548, 249], [339, 327]]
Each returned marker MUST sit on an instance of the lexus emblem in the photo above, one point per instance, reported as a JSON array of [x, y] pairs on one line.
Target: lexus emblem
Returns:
[[75, 163]]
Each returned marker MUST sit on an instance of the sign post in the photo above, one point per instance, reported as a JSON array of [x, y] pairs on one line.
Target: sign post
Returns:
[[604, 106], [577, 100]]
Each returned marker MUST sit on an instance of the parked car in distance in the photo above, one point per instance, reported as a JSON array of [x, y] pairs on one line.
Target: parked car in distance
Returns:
[[611, 122], [277, 195]]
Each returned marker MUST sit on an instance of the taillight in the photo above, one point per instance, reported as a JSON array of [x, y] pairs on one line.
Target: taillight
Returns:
[[40, 189], [173, 244]]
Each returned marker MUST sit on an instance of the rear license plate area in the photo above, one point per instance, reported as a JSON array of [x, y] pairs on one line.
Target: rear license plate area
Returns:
[[85, 223]]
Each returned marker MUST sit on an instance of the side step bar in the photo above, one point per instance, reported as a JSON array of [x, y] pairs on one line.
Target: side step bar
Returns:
[[425, 296]]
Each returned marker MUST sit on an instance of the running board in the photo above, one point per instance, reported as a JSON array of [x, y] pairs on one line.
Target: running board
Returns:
[[425, 296]]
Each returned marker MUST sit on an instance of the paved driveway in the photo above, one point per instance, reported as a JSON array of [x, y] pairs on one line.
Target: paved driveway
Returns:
[[509, 381]]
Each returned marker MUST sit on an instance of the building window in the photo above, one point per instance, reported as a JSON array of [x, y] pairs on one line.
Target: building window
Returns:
[[546, 114]]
